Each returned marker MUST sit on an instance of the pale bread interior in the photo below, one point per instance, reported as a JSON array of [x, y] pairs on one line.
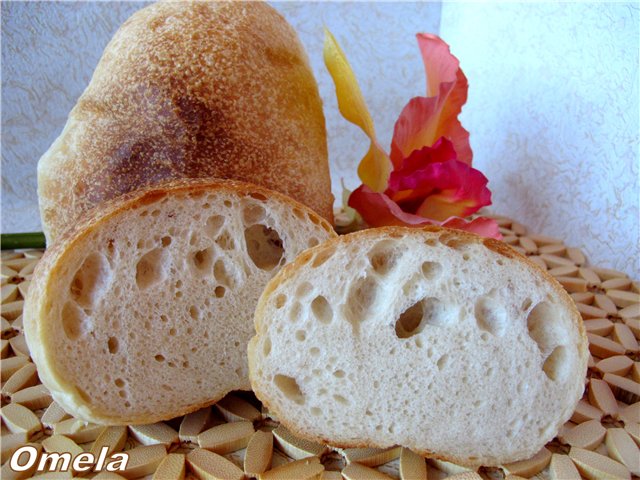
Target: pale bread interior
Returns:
[[428, 340], [148, 314]]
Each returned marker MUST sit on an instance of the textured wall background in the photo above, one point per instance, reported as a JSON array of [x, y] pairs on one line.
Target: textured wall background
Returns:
[[552, 110], [553, 115]]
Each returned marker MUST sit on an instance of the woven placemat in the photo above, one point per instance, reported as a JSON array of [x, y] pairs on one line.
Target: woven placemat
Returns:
[[600, 441]]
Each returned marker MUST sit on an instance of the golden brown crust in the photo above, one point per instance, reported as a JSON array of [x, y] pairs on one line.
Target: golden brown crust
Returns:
[[191, 90], [445, 235], [53, 261]]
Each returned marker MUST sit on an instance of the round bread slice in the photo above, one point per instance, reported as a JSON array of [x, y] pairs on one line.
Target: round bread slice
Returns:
[[446, 343], [144, 312]]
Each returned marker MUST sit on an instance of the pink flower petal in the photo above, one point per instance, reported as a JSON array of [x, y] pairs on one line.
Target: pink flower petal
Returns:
[[485, 227], [424, 120], [378, 210], [440, 190]]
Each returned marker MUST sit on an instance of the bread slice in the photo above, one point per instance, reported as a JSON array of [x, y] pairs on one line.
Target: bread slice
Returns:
[[144, 312], [448, 344], [191, 90]]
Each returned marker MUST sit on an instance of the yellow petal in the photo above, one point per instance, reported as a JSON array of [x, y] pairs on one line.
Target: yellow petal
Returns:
[[374, 168]]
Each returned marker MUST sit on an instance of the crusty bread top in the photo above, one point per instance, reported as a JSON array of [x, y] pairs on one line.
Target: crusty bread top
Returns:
[[143, 311], [449, 344], [191, 90]]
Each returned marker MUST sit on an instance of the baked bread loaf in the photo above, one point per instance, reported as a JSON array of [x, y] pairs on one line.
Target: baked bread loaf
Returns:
[[438, 340], [191, 90], [143, 313]]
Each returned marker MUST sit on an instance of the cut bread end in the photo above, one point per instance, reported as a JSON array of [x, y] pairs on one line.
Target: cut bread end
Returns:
[[143, 312], [448, 344]]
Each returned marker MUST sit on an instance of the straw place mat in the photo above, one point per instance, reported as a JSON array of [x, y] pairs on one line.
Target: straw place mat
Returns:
[[237, 438]]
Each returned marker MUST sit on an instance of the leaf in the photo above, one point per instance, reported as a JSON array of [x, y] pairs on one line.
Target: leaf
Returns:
[[374, 168]]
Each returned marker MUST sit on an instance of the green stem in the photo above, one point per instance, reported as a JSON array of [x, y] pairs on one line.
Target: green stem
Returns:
[[13, 241]]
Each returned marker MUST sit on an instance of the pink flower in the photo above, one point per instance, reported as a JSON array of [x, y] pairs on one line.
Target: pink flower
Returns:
[[427, 179]]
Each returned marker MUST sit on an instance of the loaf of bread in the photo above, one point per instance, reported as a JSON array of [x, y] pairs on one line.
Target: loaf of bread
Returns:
[[144, 312], [191, 90], [438, 340]]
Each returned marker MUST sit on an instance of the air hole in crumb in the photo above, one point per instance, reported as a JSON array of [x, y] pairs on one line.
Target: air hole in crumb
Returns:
[[74, 321], [90, 280], [253, 213], [491, 316], [452, 240], [219, 291], [304, 258], [227, 203], [266, 346], [258, 196], [314, 351], [194, 313], [213, 225], [314, 218], [172, 332], [442, 361], [166, 241], [159, 358], [112, 343], [119, 382], [340, 399], [410, 321], [264, 246], [323, 256], [225, 241], [281, 299], [526, 304], [290, 388], [301, 335], [322, 309], [295, 312], [339, 374], [111, 249], [151, 268], [303, 289], [431, 270], [557, 365], [316, 411], [439, 313], [313, 241], [203, 259], [221, 273], [543, 327], [361, 299], [383, 257]]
